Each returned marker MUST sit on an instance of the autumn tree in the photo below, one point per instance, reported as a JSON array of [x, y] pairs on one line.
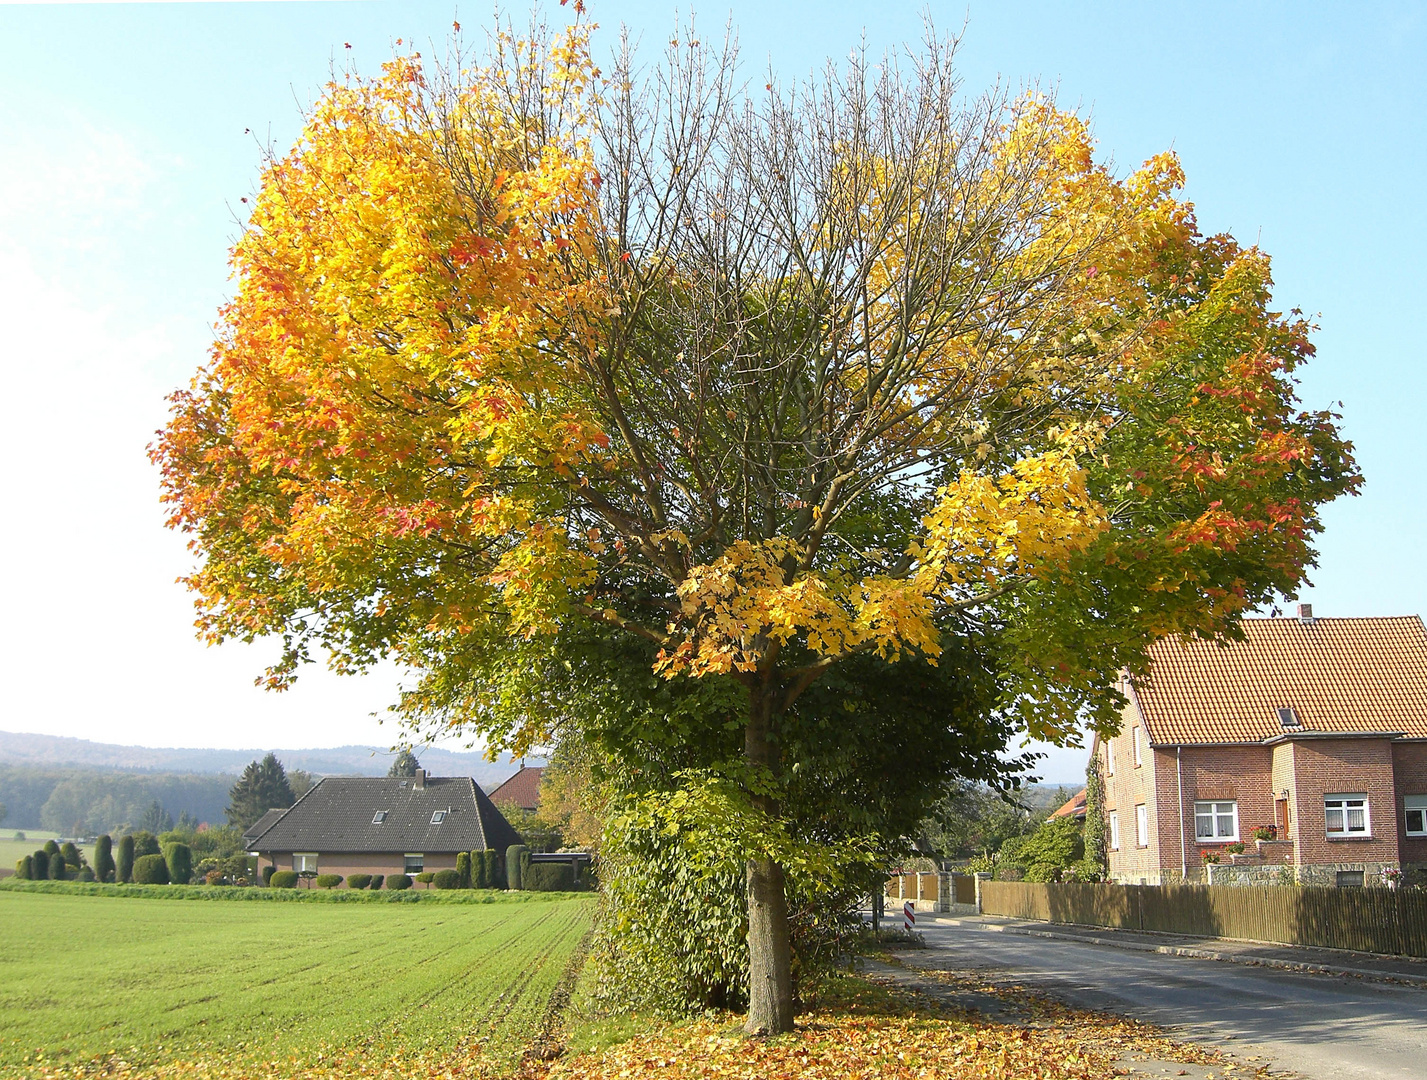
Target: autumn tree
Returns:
[[769, 381]]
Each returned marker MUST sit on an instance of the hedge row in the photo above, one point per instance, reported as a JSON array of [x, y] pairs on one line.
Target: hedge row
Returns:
[[392, 894]]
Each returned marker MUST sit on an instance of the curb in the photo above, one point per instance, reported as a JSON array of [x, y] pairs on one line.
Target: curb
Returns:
[[1204, 954]]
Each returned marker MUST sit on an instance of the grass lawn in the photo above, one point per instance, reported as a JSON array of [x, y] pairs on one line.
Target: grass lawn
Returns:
[[286, 984], [12, 850]]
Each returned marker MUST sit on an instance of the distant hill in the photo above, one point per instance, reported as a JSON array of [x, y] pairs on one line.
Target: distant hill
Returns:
[[56, 750]]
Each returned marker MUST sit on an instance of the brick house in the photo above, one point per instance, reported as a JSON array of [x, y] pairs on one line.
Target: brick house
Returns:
[[1313, 730], [380, 825], [522, 790]]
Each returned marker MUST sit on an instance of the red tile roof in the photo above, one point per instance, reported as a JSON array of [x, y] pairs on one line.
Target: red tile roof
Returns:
[[522, 789], [1075, 808], [1338, 675]]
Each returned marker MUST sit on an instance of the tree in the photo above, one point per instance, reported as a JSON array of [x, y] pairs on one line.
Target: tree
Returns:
[[1095, 825], [771, 383], [156, 819], [262, 787], [405, 764], [124, 871], [301, 781], [103, 857]]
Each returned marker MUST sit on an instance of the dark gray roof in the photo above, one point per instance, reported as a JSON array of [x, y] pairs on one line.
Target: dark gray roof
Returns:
[[262, 825], [336, 815]]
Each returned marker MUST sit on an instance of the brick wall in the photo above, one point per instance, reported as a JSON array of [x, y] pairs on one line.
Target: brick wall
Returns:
[[1409, 766], [1341, 766], [347, 863], [1237, 774], [1128, 787]]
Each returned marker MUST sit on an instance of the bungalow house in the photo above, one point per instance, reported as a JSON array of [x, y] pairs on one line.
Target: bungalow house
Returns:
[[522, 790], [1306, 743], [380, 825]]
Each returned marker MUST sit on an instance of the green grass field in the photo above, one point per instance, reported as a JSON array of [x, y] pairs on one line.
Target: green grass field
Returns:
[[12, 850], [155, 981]]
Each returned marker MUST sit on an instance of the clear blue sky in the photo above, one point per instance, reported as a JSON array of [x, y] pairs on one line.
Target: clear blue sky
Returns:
[[127, 137]]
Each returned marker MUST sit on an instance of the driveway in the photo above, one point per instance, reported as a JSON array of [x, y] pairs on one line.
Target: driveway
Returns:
[[1325, 1027]]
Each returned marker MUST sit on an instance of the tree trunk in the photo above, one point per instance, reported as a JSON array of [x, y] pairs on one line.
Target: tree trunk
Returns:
[[770, 975]]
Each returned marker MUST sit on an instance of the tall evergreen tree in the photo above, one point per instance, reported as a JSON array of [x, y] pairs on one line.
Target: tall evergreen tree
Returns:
[[405, 764], [262, 787], [1095, 816], [125, 870], [103, 857]]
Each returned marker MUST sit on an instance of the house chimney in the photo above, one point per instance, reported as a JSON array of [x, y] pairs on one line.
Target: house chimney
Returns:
[[1305, 613], [420, 784]]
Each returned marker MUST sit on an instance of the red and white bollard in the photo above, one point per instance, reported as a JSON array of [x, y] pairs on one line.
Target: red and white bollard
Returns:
[[909, 917]]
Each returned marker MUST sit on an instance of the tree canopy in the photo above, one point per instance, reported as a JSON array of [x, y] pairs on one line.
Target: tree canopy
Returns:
[[262, 787], [787, 387], [405, 764]]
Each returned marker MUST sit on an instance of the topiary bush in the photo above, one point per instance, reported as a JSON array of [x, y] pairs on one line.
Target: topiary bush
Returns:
[[398, 882], [57, 867], [40, 865], [359, 881], [377, 880], [463, 870], [328, 881], [517, 858], [180, 863], [549, 877], [51, 848], [25, 868], [268, 872], [150, 870], [426, 876], [283, 879], [447, 879], [124, 871], [85, 874], [479, 878], [104, 858], [146, 843]]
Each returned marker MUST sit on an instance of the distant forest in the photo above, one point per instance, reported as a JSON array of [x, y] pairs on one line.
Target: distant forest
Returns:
[[86, 801]]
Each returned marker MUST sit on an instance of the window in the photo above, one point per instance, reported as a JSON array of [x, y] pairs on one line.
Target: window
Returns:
[[305, 864], [378, 817], [1216, 821], [1347, 815], [1114, 831], [415, 863], [1416, 815], [1135, 746], [1350, 879], [1142, 825], [438, 816], [1109, 759]]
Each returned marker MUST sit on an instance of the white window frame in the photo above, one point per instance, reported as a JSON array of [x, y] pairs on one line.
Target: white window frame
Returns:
[[379, 817], [304, 862], [1213, 809], [1142, 825], [1341, 803], [438, 816], [1415, 804], [1114, 831], [415, 862], [1135, 746]]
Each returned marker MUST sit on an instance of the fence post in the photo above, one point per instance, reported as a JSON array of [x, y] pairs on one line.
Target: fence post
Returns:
[[980, 877]]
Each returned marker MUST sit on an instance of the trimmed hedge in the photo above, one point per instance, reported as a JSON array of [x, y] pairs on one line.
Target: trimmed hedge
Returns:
[[398, 882], [284, 879], [517, 859], [57, 867], [447, 879], [328, 881], [549, 877], [104, 858], [480, 878], [25, 868], [377, 880], [180, 863], [268, 872], [314, 896], [426, 876], [359, 881], [463, 870], [124, 872], [150, 870]]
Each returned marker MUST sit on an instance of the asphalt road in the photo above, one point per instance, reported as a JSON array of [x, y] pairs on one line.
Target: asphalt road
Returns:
[[1325, 1027]]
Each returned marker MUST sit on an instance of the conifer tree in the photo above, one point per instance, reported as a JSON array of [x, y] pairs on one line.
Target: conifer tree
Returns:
[[405, 764], [124, 872], [103, 857], [262, 787]]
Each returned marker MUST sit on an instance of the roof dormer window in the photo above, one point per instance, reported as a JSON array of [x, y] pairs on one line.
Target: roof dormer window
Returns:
[[378, 817], [1288, 718], [438, 816]]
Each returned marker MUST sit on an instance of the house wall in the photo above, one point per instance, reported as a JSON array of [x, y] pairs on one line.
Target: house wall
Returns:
[[1409, 766], [1239, 774], [1322, 766], [349, 863], [1127, 787]]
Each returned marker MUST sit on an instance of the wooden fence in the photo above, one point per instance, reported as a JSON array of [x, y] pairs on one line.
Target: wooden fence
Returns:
[[1364, 920]]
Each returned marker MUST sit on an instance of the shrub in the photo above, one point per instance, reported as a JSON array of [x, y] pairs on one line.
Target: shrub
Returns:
[[398, 882], [283, 879], [51, 848], [71, 855], [124, 871], [359, 881], [214, 877], [57, 867], [40, 865], [426, 876], [150, 870], [86, 874], [549, 877], [517, 858], [377, 880], [146, 843], [25, 868], [20, 837], [328, 881], [480, 879], [180, 863], [268, 872], [463, 870], [447, 879], [104, 858]]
